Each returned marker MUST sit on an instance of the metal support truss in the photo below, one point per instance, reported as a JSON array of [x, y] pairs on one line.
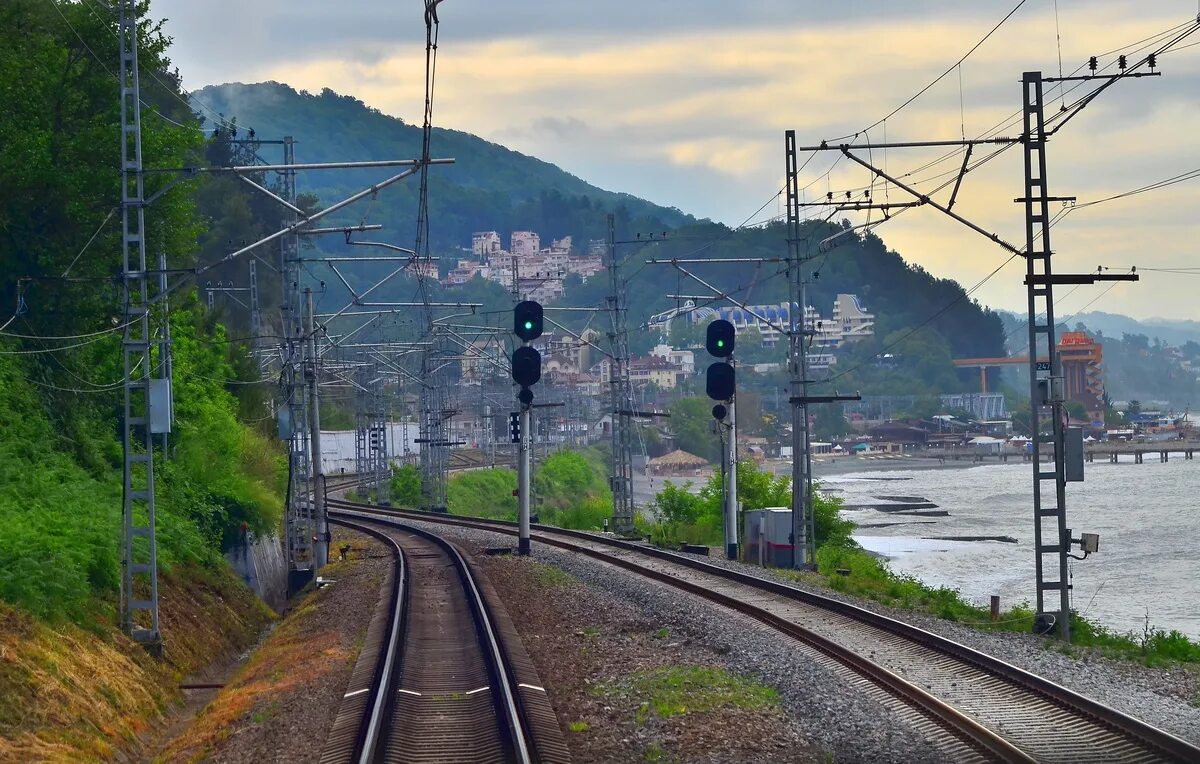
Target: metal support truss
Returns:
[[621, 395], [139, 550], [1051, 538]]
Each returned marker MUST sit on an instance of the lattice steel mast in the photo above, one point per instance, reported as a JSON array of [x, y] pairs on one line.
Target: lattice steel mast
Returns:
[[621, 394], [139, 550]]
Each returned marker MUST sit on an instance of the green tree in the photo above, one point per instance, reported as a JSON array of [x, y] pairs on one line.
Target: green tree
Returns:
[[691, 422], [829, 422], [406, 486], [674, 507]]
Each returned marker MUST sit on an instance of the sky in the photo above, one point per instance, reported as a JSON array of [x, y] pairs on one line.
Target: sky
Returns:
[[686, 104]]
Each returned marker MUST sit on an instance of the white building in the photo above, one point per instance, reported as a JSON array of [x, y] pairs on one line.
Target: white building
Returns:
[[524, 243], [850, 322], [484, 244], [684, 360]]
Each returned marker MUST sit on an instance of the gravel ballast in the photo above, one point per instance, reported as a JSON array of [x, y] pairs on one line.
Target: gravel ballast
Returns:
[[1168, 698], [828, 710]]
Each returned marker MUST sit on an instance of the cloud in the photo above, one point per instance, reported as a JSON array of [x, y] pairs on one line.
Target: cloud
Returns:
[[685, 104]]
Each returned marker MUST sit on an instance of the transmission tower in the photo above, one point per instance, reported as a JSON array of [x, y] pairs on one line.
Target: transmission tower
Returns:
[[139, 547], [621, 394], [300, 521]]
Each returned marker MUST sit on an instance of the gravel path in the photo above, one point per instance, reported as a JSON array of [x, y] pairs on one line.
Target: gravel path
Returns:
[[827, 711], [280, 706]]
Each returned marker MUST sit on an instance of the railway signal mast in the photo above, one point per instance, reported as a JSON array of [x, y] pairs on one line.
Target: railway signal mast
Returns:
[[526, 371], [721, 385]]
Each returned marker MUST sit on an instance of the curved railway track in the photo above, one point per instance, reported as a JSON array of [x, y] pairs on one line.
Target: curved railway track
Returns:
[[990, 709], [441, 676]]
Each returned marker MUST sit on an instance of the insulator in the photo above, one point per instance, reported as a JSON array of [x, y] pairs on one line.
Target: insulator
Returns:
[[1121, 62], [1152, 60], [1092, 63]]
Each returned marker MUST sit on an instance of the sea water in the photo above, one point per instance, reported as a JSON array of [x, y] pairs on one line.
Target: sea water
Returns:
[[1147, 515]]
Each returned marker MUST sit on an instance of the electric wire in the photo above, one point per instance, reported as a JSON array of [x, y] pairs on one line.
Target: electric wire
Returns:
[[936, 80]]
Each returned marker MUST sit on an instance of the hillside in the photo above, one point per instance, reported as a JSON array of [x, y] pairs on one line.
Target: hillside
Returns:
[[489, 186], [493, 188]]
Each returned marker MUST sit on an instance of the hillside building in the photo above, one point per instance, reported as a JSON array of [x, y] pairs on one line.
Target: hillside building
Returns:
[[532, 272], [850, 322]]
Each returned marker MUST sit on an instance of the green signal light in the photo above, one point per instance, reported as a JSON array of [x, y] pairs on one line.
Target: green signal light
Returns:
[[528, 324], [720, 343]]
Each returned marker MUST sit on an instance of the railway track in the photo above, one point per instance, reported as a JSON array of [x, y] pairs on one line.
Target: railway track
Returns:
[[973, 705], [442, 676]]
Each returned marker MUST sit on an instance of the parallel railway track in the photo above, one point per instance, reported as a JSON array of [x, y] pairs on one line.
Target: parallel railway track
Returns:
[[976, 706], [442, 676]]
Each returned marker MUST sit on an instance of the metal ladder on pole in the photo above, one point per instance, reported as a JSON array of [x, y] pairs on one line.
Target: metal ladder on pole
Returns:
[[1051, 537], [139, 551]]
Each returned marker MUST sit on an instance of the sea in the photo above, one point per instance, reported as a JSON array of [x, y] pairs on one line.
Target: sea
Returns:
[[1147, 570]]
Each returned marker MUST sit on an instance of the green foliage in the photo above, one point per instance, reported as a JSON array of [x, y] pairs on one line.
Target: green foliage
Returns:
[[682, 516], [869, 577], [691, 421], [564, 478], [60, 481], [571, 487], [406, 486], [677, 690], [483, 493]]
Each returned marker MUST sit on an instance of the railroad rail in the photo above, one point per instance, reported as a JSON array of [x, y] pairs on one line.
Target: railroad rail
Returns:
[[442, 676], [990, 709]]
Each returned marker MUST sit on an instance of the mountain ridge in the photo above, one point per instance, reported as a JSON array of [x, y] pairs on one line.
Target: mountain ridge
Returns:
[[488, 187]]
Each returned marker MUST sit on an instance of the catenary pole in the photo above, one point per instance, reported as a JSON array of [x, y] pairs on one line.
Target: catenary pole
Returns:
[[313, 374], [731, 501]]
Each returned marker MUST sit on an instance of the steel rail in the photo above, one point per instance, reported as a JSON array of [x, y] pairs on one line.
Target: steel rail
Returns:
[[515, 730], [363, 708], [1154, 740], [498, 662]]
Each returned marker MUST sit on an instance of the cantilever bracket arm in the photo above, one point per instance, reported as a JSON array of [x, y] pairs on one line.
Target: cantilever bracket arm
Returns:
[[962, 173], [601, 350], [717, 294], [925, 199]]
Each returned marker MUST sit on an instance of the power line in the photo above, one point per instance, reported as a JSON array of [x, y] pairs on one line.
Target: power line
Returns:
[[936, 80]]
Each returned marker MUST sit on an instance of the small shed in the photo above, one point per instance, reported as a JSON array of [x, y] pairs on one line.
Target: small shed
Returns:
[[677, 462], [986, 445]]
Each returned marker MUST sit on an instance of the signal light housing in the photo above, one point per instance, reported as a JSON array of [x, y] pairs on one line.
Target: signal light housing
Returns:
[[720, 382], [720, 338], [526, 366], [527, 320]]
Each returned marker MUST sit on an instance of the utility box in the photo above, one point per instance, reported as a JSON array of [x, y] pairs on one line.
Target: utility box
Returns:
[[1073, 455], [161, 412], [767, 538]]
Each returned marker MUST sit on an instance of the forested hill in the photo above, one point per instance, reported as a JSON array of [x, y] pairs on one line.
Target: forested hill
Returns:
[[491, 187], [488, 188]]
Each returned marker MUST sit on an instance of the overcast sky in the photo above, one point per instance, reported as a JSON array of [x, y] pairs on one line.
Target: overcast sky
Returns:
[[685, 104]]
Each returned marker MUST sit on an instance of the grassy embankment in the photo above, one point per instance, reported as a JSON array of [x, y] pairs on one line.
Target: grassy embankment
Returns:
[[571, 488], [73, 687]]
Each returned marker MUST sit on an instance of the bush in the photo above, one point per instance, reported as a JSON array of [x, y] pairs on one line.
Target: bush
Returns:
[[483, 493], [406, 486], [60, 477]]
